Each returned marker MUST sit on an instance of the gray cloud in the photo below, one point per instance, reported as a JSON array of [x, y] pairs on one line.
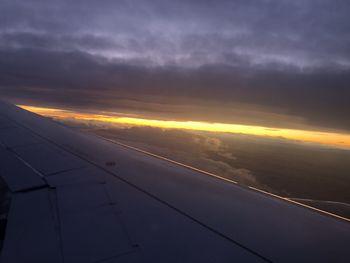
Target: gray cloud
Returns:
[[211, 93], [275, 63], [303, 34]]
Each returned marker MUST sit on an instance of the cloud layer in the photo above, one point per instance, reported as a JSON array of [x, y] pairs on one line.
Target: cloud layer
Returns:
[[276, 63]]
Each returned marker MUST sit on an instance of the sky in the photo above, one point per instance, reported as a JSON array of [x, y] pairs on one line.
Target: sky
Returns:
[[339, 140], [282, 63]]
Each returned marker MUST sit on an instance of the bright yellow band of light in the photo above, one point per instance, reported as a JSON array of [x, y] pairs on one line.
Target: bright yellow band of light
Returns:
[[327, 138]]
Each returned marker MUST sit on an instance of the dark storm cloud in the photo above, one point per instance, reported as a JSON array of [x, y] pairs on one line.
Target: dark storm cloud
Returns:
[[212, 93], [283, 63]]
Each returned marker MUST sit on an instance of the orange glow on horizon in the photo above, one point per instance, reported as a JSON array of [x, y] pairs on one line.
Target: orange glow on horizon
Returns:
[[326, 138]]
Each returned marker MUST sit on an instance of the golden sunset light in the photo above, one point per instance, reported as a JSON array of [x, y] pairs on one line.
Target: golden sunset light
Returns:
[[325, 138]]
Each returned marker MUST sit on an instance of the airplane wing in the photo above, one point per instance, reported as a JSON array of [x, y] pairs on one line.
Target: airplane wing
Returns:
[[73, 197]]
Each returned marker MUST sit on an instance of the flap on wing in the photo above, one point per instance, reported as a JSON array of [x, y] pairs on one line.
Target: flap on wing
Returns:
[[17, 175]]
